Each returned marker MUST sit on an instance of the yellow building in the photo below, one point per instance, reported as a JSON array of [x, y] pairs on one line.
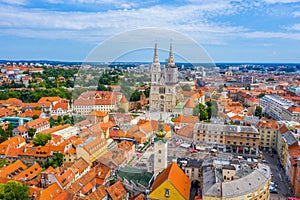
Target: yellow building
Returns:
[[172, 183], [91, 149], [286, 140], [267, 133], [254, 185]]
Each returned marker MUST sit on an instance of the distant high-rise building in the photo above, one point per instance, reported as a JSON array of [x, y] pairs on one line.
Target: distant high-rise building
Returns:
[[163, 84]]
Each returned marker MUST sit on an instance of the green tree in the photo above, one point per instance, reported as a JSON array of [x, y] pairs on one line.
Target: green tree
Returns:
[[261, 95], [258, 111], [186, 87], [135, 96], [9, 131], [121, 110], [203, 112], [35, 116], [56, 161], [41, 139], [3, 162], [14, 190], [3, 135], [31, 132]]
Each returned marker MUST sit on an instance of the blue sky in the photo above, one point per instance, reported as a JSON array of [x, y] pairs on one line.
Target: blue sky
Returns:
[[230, 31]]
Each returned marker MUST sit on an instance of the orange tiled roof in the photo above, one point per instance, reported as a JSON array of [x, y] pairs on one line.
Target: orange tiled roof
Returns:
[[146, 127], [50, 170], [12, 152], [21, 129], [140, 196], [33, 105], [267, 123], [123, 99], [49, 99], [106, 125], [294, 151], [294, 109], [190, 103], [66, 177], [51, 192], [80, 165], [116, 191], [98, 113], [29, 173], [236, 117], [12, 170], [71, 151], [88, 187], [37, 123], [186, 131], [6, 112], [99, 193], [125, 145], [30, 113], [90, 147], [63, 106], [177, 178], [14, 141], [64, 196], [56, 128], [187, 119]]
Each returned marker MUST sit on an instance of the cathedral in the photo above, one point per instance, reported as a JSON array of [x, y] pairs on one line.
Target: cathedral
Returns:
[[163, 84]]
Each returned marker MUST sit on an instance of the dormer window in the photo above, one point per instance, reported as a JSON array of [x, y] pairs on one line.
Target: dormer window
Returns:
[[167, 192]]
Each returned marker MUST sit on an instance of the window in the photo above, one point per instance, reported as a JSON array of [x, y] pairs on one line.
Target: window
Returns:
[[159, 151], [167, 192], [159, 160]]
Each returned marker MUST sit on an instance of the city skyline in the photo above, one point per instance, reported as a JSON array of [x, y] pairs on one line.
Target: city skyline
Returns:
[[231, 31]]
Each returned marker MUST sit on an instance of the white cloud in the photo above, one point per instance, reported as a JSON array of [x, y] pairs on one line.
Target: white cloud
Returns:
[[295, 27], [191, 19], [269, 35], [92, 25], [14, 2], [296, 14], [281, 1]]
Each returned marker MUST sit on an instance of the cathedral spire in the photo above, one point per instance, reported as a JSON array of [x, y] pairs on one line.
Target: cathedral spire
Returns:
[[155, 58], [171, 62]]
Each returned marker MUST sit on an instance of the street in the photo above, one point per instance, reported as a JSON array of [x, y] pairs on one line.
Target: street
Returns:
[[278, 176]]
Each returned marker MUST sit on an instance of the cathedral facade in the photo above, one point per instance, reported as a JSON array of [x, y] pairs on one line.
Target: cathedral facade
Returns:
[[163, 84]]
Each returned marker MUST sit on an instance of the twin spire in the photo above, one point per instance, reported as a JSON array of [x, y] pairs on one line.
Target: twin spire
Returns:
[[171, 62]]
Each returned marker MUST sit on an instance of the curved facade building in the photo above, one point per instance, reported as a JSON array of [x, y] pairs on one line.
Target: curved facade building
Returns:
[[229, 183]]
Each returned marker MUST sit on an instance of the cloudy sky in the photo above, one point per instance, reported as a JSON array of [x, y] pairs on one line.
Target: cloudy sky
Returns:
[[230, 31]]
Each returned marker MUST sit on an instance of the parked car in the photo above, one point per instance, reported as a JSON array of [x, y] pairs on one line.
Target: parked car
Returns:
[[273, 191], [193, 150], [272, 184]]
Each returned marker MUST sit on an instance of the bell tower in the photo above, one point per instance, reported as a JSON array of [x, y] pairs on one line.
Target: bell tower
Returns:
[[160, 148]]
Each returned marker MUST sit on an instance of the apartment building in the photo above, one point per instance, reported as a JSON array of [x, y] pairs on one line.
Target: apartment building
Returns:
[[227, 138]]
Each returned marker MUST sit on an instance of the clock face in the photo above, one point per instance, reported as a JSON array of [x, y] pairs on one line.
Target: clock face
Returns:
[[159, 142]]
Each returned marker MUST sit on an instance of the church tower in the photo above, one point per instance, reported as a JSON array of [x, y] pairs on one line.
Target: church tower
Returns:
[[171, 79], [160, 149], [163, 84], [155, 68]]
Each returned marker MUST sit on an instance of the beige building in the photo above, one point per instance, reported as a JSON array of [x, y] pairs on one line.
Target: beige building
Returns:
[[163, 84], [227, 138], [243, 184], [191, 167], [268, 130], [291, 114], [104, 101], [97, 116], [91, 149]]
